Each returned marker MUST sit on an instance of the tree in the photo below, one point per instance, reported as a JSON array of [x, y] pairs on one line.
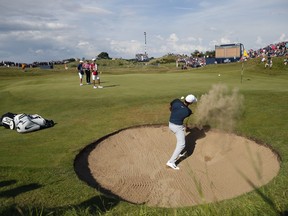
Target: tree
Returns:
[[196, 54], [104, 55], [210, 54]]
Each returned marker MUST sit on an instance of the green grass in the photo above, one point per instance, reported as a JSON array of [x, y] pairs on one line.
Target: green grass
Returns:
[[36, 169]]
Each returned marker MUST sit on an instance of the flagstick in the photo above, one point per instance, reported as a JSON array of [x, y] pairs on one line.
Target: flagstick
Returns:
[[242, 71]]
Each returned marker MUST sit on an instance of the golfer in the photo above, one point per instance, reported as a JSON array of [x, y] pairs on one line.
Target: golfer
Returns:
[[179, 111]]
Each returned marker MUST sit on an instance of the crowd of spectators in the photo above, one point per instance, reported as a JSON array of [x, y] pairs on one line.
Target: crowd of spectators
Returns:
[[273, 50], [192, 62]]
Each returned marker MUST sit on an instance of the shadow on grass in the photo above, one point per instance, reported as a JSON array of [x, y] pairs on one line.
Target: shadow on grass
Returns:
[[110, 86], [18, 190], [95, 206], [7, 183], [98, 204], [268, 200]]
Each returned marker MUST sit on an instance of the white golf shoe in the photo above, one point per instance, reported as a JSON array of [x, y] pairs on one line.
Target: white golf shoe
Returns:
[[172, 165]]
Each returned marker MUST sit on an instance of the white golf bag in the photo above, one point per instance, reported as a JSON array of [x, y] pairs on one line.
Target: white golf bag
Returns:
[[24, 123], [27, 123]]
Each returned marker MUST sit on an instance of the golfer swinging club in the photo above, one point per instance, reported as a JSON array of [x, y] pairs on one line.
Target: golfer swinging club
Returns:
[[179, 111]]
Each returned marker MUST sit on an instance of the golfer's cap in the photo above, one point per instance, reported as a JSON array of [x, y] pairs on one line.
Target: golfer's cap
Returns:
[[190, 98], [93, 59], [81, 61]]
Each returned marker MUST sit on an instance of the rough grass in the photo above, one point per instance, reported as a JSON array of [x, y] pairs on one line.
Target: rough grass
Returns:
[[36, 169]]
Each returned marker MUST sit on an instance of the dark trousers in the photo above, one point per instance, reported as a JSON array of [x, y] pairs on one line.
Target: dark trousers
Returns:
[[88, 76]]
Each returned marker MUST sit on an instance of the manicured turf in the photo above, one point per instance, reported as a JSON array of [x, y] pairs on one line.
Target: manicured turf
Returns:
[[36, 169]]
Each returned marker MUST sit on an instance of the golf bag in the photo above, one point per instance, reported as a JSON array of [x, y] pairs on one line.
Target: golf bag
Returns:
[[7, 120], [24, 123]]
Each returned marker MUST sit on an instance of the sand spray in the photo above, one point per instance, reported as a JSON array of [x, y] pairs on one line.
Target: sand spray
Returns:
[[219, 108]]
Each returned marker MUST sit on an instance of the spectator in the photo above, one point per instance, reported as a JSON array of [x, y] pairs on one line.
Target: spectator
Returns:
[[269, 62], [80, 71], [23, 66], [286, 61], [95, 75], [86, 68]]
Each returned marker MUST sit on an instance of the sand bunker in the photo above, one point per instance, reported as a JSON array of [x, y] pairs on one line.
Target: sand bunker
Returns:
[[131, 165]]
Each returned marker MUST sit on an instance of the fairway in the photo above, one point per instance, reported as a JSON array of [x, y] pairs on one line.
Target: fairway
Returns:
[[37, 169]]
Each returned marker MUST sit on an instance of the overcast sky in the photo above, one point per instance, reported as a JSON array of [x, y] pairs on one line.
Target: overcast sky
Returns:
[[45, 30]]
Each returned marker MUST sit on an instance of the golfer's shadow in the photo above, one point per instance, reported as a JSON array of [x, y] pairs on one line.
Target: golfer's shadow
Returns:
[[190, 141]]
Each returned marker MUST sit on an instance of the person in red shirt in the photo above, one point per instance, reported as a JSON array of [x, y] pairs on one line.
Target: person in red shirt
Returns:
[[95, 74]]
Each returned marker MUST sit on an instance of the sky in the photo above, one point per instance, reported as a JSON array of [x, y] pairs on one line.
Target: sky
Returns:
[[50, 30]]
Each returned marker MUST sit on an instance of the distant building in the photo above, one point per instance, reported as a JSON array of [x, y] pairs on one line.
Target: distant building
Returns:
[[142, 57]]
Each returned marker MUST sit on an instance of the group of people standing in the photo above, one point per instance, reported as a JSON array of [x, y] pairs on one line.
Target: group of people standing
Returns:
[[88, 68]]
